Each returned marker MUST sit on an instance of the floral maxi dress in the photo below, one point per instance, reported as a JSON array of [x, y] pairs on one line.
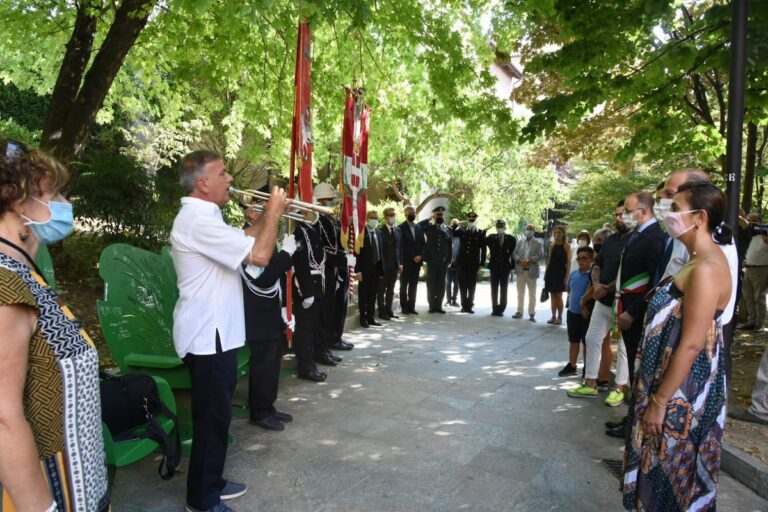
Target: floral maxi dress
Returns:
[[679, 469]]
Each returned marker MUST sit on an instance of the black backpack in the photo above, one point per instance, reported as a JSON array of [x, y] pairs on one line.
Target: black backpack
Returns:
[[131, 401]]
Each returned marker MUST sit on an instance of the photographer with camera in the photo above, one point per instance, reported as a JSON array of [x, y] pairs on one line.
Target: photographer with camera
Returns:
[[755, 283]]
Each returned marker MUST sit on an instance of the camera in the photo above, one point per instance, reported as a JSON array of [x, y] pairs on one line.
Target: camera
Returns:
[[758, 229]]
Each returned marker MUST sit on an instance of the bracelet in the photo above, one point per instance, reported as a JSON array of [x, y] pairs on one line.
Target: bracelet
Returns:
[[653, 397]]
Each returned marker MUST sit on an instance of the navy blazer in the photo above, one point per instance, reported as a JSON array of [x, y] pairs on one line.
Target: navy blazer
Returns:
[[412, 247], [501, 257], [640, 258], [365, 258], [391, 248]]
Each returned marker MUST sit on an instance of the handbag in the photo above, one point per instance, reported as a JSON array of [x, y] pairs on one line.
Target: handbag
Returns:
[[544, 295], [129, 406]]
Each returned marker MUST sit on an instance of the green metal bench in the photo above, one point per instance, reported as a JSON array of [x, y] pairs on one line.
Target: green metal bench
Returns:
[[136, 314], [44, 263]]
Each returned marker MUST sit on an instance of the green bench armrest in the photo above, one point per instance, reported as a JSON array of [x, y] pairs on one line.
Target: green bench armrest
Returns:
[[152, 361]]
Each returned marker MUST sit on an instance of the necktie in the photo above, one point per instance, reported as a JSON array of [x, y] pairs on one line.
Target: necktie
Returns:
[[374, 246]]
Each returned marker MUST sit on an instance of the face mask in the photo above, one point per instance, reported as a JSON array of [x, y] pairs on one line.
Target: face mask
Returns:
[[373, 223], [500, 231], [438, 220], [628, 221], [559, 238], [472, 224], [581, 243], [528, 235], [391, 221], [330, 202], [57, 227], [411, 217], [661, 208], [674, 223], [597, 247]]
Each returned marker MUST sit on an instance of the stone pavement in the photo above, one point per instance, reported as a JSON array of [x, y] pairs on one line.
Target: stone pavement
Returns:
[[428, 413]]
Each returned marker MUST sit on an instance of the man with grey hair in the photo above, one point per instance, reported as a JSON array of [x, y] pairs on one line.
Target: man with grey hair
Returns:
[[208, 320]]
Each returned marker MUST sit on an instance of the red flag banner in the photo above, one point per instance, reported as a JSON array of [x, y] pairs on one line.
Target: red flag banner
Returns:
[[301, 140], [354, 175]]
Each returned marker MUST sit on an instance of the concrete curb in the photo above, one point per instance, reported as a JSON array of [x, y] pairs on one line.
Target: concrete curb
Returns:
[[746, 469]]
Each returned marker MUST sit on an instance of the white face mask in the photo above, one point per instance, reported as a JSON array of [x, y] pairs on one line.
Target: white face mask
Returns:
[[628, 221], [391, 220], [373, 223], [661, 208], [676, 225], [500, 231], [581, 243], [472, 224]]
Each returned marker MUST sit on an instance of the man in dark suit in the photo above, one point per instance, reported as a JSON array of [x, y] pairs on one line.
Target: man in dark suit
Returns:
[[369, 270], [437, 256], [265, 321], [391, 265], [641, 255], [500, 263], [413, 245], [471, 260]]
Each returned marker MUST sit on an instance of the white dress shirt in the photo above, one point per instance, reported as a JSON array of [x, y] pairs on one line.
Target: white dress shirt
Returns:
[[206, 255]]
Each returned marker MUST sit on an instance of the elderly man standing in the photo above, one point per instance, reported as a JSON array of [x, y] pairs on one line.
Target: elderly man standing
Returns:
[[412, 248], [500, 263], [527, 255], [437, 256], [208, 320]]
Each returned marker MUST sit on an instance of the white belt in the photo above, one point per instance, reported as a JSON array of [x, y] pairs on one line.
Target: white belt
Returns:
[[316, 272]]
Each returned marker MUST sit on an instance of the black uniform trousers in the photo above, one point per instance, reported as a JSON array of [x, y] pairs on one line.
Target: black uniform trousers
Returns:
[[451, 284], [327, 317], [631, 338], [341, 301], [264, 376], [366, 294], [436, 285], [213, 379], [467, 284], [386, 291], [409, 283], [305, 337], [499, 285]]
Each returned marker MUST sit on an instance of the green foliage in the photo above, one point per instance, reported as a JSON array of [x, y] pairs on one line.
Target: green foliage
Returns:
[[599, 187]]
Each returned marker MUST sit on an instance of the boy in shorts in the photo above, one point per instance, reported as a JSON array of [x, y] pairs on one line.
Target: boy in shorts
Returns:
[[578, 282]]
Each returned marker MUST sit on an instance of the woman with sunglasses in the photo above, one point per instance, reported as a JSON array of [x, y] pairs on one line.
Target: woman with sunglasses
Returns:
[[50, 415]]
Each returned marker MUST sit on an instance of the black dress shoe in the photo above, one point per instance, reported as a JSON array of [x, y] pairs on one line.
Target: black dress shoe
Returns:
[[616, 432], [374, 322], [614, 424], [313, 375], [283, 416], [269, 423], [342, 345], [441, 311], [392, 315], [471, 311], [326, 360], [364, 324], [333, 356], [385, 317]]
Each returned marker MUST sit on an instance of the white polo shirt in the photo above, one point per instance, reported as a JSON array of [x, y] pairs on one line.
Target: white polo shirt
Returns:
[[206, 255]]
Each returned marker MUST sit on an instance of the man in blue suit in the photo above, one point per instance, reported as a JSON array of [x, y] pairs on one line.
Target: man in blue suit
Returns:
[[390, 259], [413, 246]]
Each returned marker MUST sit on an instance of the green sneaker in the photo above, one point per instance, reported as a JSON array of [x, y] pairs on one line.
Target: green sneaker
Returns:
[[615, 398], [583, 391]]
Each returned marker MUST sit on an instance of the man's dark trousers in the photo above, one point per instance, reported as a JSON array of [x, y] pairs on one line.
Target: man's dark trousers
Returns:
[[409, 282], [341, 302], [264, 376], [631, 338], [499, 285], [386, 291], [436, 285], [305, 338], [467, 284], [366, 295], [213, 379], [451, 284]]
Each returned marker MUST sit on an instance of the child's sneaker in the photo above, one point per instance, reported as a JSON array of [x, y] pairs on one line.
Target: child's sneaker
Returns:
[[583, 391], [615, 398], [567, 371]]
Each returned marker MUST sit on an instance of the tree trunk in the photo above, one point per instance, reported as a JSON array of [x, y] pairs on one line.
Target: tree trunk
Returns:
[[749, 167], [66, 136]]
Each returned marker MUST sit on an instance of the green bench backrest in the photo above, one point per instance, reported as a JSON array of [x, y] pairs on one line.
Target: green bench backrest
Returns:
[[43, 260]]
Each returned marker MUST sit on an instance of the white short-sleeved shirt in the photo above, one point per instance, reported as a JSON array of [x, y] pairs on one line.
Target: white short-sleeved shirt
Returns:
[[680, 257], [206, 255]]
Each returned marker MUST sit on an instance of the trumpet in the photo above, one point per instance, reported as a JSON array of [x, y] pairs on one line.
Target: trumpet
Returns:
[[251, 199]]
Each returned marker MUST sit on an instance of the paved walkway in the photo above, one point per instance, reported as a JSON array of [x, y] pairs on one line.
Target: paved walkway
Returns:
[[429, 413]]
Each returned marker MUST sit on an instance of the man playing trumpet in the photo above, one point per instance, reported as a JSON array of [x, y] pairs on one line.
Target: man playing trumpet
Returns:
[[208, 320]]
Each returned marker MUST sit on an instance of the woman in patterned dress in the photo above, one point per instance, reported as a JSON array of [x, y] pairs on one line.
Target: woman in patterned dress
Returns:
[[672, 457], [51, 449]]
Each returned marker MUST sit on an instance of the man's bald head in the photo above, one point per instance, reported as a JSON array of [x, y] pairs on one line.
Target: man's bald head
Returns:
[[680, 177]]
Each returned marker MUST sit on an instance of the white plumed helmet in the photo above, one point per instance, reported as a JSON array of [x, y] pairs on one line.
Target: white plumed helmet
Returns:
[[324, 191]]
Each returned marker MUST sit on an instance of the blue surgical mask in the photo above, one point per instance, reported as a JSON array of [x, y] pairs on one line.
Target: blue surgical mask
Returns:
[[528, 234], [55, 229]]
